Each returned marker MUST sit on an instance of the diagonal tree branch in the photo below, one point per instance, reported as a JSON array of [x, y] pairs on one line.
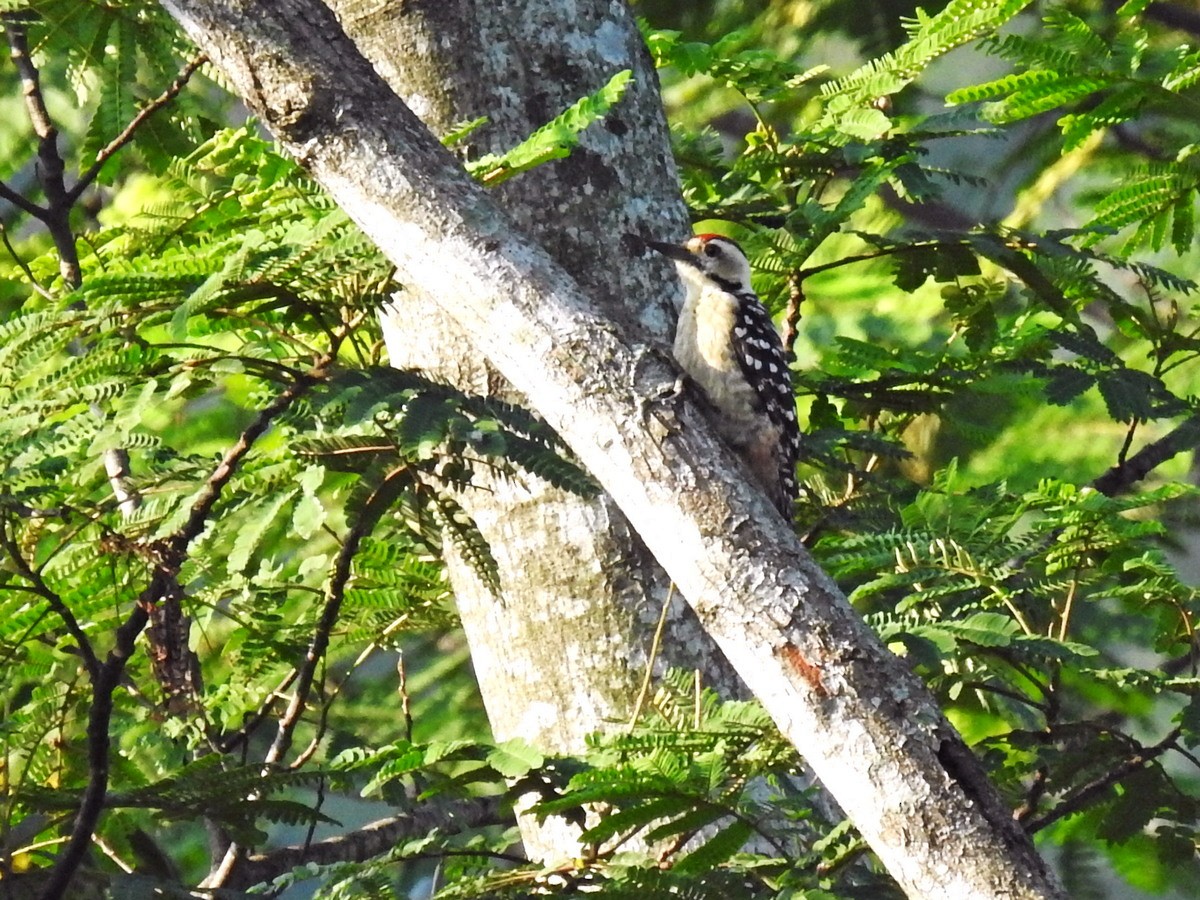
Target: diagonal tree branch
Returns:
[[56, 214], [868, 727], [90, 661], [19, 200], [1087, 794], [1122, 476]]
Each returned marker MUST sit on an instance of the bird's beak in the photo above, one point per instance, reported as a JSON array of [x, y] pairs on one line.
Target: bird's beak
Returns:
[[678, 252]]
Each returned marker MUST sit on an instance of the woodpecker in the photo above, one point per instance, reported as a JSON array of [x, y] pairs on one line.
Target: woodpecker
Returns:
[[725, 341]]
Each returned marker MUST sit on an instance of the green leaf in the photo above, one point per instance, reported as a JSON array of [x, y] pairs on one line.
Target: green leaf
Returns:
[[1066, 383], [460, 132], [514, 758], [555, 139], [1128, 394], [717, 850], [308, 516], [959, 22], [636, 816]]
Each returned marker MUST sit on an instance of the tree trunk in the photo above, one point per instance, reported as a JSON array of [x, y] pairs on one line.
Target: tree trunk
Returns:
[[867, 726], [560, 653]]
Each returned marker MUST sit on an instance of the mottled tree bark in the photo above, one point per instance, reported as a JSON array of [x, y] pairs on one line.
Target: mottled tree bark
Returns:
[[869, 728], [559, 655]]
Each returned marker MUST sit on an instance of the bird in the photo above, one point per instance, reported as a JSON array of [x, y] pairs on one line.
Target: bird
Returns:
[[726, 343]]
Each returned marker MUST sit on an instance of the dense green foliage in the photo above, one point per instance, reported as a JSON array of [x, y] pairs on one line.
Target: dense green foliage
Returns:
[[996, 359]]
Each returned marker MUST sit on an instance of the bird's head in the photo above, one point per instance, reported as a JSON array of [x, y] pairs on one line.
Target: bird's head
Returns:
[[709, 257]]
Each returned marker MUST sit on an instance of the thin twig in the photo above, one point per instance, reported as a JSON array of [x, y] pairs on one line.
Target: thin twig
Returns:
[[1037, 787], [1084, 795], [655, 643], [1188, 755], [405, 700], [312, 826], [90, 661], [171, 553], [791, 315], [314, 745], [804, 274], [1064, 615], [1015, 696], [1123, 453], [323, 720], [24, 266], [202, 508], [129, 130]]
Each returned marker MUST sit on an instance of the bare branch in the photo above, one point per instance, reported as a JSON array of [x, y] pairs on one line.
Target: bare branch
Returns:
[[19, 200], [31, 88], [171, 553], [791, 315], [1086, 794], [24, 266], [1127, 473], [116, 467], [373, 839], [57, 212], [90, 661], [129, 130]]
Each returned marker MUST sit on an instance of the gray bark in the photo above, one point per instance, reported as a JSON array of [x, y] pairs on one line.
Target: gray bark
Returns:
[[867, 726], [559, 655]]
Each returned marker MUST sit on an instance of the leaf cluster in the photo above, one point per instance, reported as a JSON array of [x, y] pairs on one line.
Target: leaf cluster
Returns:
[[1100, 77], [992, 411], [241, 292], [984, 399], [666, 810]]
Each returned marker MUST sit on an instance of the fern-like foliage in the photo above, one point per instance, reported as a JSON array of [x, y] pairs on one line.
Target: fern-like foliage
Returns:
[[1006, 587], [992, 409], [115, 58], [690, 783], [849, 110], [1015, 594], [1099, 83], [242, 285], [553, 140]]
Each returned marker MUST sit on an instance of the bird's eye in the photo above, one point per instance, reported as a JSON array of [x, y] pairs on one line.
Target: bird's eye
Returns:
[[712, 249]]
